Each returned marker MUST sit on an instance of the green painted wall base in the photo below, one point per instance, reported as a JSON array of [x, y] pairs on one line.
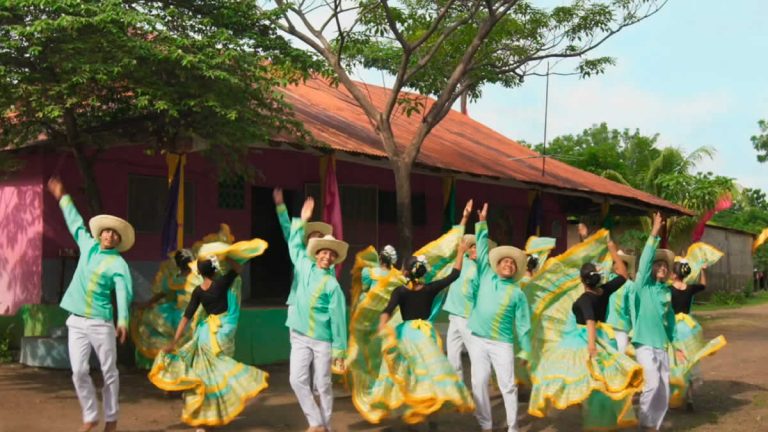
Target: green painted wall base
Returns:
[[262, 336], [32, 320]]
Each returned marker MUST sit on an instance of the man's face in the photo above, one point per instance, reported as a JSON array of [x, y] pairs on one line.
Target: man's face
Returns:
[[325, 258], [506, 267], [661, 270], [109, 238], [472, 252]]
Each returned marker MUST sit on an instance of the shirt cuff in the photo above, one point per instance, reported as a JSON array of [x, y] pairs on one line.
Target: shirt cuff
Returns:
[[338, 353], [65, 201]]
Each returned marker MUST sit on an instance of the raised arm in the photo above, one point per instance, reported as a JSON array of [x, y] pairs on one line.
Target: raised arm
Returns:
[[296, 247], [645, 265], [282, 213], [619, 267], [71, 216], [481, 235], [438, 285]]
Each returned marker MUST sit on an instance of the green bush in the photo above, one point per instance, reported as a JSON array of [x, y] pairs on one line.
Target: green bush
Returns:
[[5, 346], [728, 298]]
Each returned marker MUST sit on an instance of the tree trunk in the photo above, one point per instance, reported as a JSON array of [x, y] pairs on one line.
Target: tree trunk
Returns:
[[402, 172], [83, 162]]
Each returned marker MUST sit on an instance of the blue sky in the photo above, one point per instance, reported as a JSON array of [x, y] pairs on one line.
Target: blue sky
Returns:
[[696, 73]]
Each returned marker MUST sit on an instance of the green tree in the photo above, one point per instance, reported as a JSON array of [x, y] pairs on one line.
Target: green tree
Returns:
[[87, 74], [448, 49], [760, 141]]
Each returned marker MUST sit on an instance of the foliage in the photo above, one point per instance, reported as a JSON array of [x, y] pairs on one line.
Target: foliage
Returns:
[[728, 298], [92, 73], [5, 346], [760, 141], [448, 49]]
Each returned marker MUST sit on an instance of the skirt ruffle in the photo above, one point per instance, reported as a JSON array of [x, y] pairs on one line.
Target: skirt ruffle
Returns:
[[416, 377], [689, 338], [567, 376], [216, 387]]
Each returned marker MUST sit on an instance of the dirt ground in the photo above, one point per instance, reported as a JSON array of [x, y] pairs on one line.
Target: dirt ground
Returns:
[[734, 395]]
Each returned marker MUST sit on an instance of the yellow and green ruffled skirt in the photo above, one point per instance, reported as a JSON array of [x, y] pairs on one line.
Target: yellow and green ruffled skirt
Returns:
[[415, 376], [216, 387], [689, 338], [566, 375]]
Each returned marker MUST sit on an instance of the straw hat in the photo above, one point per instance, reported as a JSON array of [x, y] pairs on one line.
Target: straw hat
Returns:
[[518, 255], [631, 261], [321, 227], [124, 229], [665, 255], [328, 242], [471, 240]]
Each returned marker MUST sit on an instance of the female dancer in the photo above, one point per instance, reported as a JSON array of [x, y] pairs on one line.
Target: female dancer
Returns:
[[216, 387], [583, 366], [370, 275], [422, 375], [374, 393], [689, 336]]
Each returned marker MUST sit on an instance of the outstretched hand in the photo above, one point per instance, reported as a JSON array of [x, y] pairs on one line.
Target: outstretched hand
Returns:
[[482, 214], [307, 209], [466, 213], [657, 221], [121, 332], [277, 196], [56, 187]]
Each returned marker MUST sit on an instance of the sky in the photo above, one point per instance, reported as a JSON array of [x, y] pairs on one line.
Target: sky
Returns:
[[696, 73]]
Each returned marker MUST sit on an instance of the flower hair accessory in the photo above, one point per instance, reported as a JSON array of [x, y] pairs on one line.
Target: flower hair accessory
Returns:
[[390, 252], [215, 263]]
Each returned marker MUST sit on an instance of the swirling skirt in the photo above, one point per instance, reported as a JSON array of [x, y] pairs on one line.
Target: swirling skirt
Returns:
[[416, 377], [689, 338], [566, 376], [216, 387]]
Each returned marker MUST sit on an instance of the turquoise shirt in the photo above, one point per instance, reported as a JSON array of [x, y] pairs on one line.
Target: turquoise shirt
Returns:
[[285, 226], [619, 316], [654, 324], [98, 273], [501, 311], [370, 276], [463, 292], [318, 309]]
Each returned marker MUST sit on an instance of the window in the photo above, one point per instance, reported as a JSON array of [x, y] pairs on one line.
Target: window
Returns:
[[232, 193], [147, 200], [388, 208]]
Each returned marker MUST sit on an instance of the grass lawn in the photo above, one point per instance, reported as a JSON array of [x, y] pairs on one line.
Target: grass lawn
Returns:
[[758, 298]]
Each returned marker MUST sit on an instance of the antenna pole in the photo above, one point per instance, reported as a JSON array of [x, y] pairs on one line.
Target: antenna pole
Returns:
[[546, 116]]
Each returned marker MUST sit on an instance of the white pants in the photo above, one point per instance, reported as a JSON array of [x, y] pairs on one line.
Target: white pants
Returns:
[[654, 399], [85, 333], [308, 354], [622, 340], [484, 354], [457, 341]]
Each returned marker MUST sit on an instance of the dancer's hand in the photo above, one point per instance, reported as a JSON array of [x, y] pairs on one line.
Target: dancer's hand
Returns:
[[338, 364], [56, 187], [583, 231], [680, 356], [467, 212], [592, 351], [657, 220], [482, 214], [463, 247], [171, 347], [307, 209], [277, 195], [121, 332]]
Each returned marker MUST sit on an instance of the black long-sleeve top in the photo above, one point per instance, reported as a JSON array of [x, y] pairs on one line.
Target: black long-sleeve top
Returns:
[[592, 306], [418, 304], [214, 299], [682, 299]]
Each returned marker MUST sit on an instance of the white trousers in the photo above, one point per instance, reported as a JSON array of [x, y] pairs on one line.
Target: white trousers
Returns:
[[484, 354], [312, 357], [84, 334], [654, 399], [622, 340], [457, 341]]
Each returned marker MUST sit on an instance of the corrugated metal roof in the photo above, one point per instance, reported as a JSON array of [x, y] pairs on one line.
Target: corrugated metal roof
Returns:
[[458, 143]]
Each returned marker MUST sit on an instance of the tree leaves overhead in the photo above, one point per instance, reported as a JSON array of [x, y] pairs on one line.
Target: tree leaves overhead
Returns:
[[151, 71], [760, 141]]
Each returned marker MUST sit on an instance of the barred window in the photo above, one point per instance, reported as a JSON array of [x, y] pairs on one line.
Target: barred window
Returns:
[[232, 194]]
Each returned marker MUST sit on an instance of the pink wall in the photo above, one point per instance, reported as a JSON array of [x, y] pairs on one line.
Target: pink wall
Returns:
[[21, 242]]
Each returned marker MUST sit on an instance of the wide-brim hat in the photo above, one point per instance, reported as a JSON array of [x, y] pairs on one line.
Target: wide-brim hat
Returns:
[[315, 245], [631, 261], [665, 255], [471, 240], [99, 223], [516, 254], [321, 227]]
